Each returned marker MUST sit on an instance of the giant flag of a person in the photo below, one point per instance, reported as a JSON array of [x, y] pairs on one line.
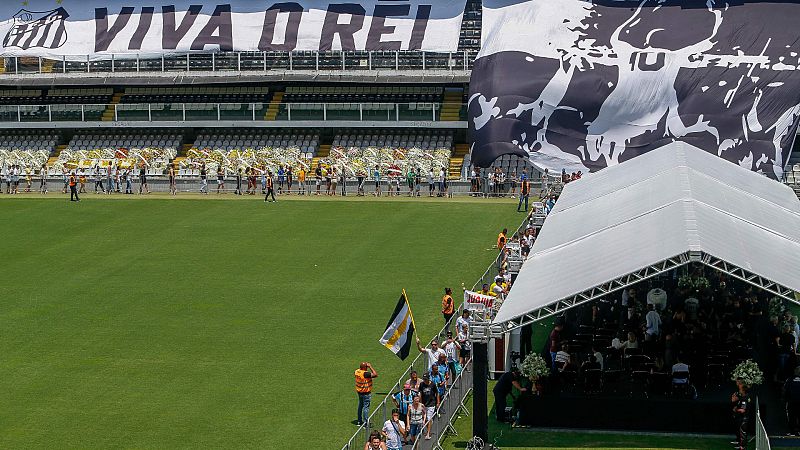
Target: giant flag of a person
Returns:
[[583, 85]]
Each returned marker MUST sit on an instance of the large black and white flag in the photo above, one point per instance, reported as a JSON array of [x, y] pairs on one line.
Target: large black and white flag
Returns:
[[583, 85]]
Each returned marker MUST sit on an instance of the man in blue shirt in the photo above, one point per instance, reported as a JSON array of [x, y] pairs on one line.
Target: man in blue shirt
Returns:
[[438, 379], [403, 400]]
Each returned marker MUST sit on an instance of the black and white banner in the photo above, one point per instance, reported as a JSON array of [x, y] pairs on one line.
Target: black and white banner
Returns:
[[582, 85], [73, 28]]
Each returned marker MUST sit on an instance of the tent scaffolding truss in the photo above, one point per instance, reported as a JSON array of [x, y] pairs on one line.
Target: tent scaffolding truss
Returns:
[[483, 331]]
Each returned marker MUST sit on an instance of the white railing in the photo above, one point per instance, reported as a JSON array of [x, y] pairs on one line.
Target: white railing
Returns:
[[762, 439], [251, 112], [246, 62]]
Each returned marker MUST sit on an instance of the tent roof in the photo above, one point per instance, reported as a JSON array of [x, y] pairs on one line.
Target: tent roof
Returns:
[[657, 206]]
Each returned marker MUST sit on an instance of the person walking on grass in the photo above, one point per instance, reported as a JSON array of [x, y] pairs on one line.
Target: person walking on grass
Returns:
[[524, 192], [144, 188], [270, 188], [239, 182], [364, 376], [173, 188], [43, 173], [73, 188], [376, 174], [220, 178], [98, 180]]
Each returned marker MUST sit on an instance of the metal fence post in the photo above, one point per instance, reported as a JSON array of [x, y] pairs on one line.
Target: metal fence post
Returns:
[[163, 65], [265, 61], [397, 112], [316, 67], [19, 114], [434, 112], [116, 114], [291, 60], [466, 59], [83, 114], [49, 113], [396, 60], [343, 64], [450, 61], [369, 59], [40, 64], [183, 109], [324, 111], [64, 64], [149, 112], [361, 112], [113, 64], [219, 113], [239, 61], [253, 107], [16, 65], [88, 64], [213, 61], [289, 111], [423, 61], [138, 65]]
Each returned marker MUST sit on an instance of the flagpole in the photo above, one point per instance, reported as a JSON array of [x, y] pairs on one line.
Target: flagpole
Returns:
[[405, 296]]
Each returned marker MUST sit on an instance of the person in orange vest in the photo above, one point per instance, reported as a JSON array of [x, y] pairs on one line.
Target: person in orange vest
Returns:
[[448, 308], [73, 188], [364, 375], [501, 238]]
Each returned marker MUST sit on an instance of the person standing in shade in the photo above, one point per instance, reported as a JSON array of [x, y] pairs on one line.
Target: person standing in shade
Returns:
[[791, 394], [364, 376], [270, 188], [741, 402], [73, 188], [502, 389], [448, 307], [524, 192], [43, 173]]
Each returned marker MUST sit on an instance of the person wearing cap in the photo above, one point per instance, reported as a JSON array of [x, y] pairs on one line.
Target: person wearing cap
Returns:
[[429, 396], [402, 400]]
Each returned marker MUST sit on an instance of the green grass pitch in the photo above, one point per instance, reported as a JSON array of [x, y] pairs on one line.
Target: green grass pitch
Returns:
[[186, 323]]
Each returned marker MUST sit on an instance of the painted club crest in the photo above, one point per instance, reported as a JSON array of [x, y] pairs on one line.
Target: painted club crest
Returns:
[[37, 29]]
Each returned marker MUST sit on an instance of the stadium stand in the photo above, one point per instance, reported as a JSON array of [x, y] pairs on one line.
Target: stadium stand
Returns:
[[434, 140], [471, 28], [305, 141], [29, 140], [109, 140]]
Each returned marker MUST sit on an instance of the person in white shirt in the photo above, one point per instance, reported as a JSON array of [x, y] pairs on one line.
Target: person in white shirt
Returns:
[[464, 320], [394, 431], [680, 367], [433, 352], [653, 323], [452, 348]]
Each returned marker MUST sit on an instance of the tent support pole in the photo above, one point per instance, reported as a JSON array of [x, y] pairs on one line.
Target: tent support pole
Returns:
[[480, 393]]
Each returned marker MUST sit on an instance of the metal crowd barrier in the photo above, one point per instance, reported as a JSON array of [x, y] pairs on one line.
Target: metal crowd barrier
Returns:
[[762, 439], [446, 414], [244, 62], [462, 385]]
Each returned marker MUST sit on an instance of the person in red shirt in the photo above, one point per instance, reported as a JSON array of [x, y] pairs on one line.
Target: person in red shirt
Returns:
[[555, 343]]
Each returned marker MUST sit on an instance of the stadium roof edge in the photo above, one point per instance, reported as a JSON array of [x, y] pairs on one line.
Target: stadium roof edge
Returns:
[[189, 78], [420, 124], [654, 213]]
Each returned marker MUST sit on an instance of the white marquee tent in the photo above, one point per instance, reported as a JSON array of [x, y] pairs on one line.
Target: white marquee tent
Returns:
[[654, 213]]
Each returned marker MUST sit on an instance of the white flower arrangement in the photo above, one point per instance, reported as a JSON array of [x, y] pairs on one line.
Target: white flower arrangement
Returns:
[[749, 372], [696, 283], [534, 366]]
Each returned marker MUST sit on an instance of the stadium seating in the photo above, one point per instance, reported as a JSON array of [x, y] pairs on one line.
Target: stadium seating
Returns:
[[470, 39], [507, 163], [305, 141], [193, 103], [28, 140], [433, 140], [361, 102], [108, 140]]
